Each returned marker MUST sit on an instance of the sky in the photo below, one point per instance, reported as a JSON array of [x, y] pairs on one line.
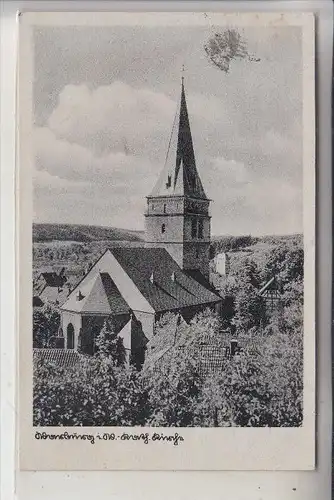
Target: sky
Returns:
[[104, 103]]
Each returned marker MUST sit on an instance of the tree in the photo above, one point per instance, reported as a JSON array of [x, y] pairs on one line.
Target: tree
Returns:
[[46, 323], [40, 329], [249, 305], [94, 393], [173, 389], [109, 344], [286, 260], [175, 380], [261, 386]]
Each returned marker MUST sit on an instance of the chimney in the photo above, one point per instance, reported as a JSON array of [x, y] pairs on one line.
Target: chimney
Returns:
[[173, 277], [152, 278]]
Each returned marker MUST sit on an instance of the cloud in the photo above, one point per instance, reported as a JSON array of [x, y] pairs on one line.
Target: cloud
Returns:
[[112, 117], [255, 128], [72, 184], [62, 159], [44, 179], [245, 203], [103, 149]]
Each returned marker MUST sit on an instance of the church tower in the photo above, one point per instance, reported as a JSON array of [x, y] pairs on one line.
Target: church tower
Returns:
[[177, 216]]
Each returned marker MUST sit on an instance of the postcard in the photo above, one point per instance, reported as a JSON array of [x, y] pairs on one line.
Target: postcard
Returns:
[[166, 241]]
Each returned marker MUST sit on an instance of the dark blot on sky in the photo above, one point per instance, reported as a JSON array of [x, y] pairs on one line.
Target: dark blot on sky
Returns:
[[226, 46]]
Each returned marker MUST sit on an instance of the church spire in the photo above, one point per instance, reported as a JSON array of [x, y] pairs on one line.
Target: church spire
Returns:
[[179, 176]]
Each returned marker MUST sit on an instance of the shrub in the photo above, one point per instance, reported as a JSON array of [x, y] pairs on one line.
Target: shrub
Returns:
[[46, 323], [93, 393], [109, 344]]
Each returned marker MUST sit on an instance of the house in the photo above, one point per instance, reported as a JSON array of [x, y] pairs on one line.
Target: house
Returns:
[[222, 264], [170, 272], [50, 288], [210, 358], [271, 293]]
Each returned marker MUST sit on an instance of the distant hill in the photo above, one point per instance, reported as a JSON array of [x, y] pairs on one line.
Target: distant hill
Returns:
[[82, 233], [236, 243]]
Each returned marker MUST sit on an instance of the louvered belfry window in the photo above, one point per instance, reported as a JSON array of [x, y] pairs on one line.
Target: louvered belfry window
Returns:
[[200, 229], [193, 228]]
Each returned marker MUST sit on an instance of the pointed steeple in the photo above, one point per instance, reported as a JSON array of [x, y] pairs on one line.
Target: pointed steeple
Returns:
[[179, 176]]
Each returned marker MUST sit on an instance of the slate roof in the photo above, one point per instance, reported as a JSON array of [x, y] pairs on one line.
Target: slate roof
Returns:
[[37, 301], [54, 294], [151, 270], [99, 296], [53, 279], [180, 176], [198, 276], [66, 358]]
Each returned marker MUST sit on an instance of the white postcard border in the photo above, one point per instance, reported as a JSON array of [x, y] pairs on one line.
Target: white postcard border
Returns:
[[202, 449]]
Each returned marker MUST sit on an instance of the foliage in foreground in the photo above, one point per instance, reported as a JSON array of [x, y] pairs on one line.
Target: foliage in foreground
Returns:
[[262, 386]]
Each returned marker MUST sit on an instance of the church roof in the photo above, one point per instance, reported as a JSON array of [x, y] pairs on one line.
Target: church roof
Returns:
[[161, 281], [100, 295], [155, 277], [180, 176], [53, 294]]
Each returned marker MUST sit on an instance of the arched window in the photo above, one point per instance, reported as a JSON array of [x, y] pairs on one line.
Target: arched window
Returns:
[[70, 336], [163, 228]]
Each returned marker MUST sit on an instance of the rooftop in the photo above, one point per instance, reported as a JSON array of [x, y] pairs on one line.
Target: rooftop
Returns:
[[100, 295], [53, 279], [161, 281], [65, 358]]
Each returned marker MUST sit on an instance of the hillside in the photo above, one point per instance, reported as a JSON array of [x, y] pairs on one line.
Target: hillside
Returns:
[[250, 243], [82, 233]]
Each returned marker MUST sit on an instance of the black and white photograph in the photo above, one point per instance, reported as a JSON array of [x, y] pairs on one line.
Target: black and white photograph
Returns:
[[169, 195]]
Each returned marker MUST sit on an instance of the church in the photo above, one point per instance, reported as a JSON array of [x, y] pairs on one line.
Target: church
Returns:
[[170, 273]]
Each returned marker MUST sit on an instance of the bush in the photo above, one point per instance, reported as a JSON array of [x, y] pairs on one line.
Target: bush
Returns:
[[261, 386], [46, 323], [109, 344], [93, 393]]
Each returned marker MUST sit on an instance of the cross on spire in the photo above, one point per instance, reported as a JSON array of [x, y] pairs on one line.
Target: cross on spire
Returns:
[[182, 77]]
